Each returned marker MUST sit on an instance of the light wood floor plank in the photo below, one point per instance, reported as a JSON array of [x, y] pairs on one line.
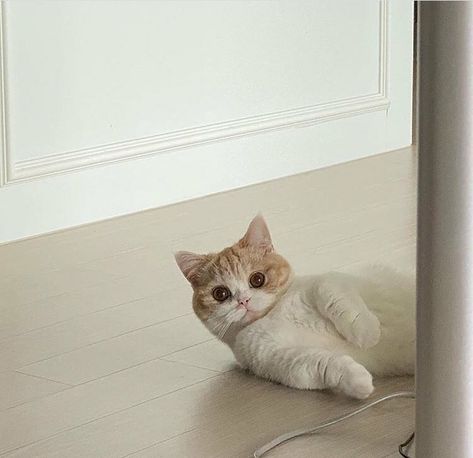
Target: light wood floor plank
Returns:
[[75, 406], [86, 330], [230, 415], [211, 355], [129, 349], [16, 388]]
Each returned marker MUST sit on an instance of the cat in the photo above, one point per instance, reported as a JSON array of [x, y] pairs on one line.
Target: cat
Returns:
[[329, 331]]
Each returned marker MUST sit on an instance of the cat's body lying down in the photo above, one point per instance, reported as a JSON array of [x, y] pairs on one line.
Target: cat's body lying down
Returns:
[[332, 331], [326, 331]]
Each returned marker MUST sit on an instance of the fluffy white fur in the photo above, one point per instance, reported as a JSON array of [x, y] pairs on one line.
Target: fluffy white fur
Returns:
[[332, 331]]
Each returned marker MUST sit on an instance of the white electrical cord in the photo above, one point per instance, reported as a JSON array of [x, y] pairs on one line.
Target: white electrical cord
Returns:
[[303, 432]]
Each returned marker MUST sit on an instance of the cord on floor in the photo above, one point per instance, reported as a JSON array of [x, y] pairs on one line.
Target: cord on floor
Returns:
[[303, 432], [405, 445]]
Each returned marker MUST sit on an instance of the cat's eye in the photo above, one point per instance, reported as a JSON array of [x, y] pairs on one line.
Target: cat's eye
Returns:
[[257, 279], [221, 293]]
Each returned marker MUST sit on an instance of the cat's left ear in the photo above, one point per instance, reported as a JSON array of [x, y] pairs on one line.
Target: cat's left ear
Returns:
[[257, 235], [190, 264]]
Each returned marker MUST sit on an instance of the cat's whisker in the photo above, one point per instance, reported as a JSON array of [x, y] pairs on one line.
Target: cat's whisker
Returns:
[[219, 326], [232, 314], [224, 325], [222, 333]]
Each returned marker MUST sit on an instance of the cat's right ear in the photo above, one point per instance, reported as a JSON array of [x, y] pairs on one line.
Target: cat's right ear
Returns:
[[190, 264], [257, 234]]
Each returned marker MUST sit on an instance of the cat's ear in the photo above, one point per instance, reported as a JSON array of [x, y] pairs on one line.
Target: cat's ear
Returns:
[[257, 234], [190, 264]]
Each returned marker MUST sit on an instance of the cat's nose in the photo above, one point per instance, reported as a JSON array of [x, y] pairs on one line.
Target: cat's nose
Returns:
[[244, 302]]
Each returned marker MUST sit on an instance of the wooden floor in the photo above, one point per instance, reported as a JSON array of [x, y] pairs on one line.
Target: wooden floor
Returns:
[[101, 356]]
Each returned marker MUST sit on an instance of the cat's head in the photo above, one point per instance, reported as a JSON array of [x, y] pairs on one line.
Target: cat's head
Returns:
[[238, 285]]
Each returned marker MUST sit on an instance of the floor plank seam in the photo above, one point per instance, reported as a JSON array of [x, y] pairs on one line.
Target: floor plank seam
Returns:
[[43, 378], [194, 365], [159, 442], [100, 341], [71, 387], [111, 307], [189, 346], [106, 416], [64, 293], [92, 285]]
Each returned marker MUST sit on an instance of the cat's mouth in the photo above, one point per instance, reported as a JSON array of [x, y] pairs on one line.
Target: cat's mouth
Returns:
[[246, 309], [250, 316]]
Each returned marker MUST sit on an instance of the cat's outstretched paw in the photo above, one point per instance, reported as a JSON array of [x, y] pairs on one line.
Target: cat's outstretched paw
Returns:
[[364, 330], [356, 381]]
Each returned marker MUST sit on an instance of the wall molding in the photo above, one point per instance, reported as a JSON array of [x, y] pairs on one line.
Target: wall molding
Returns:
[[12, 172], [188, 138], [4, 159]]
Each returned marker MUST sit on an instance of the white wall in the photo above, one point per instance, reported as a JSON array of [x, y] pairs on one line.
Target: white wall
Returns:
[[114, 107]]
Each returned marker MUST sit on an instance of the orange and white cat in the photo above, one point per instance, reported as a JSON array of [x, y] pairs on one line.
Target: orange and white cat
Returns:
[[333, 330]]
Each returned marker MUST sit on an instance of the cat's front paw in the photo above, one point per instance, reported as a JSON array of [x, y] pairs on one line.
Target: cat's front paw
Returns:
[[364, 330], [356, 381]]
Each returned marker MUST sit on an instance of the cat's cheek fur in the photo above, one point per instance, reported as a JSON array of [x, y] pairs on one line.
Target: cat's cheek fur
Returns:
[[260, 301]]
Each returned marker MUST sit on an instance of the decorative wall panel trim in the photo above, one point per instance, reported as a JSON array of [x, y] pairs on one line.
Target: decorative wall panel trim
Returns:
[[4, 162], [187, 138]]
